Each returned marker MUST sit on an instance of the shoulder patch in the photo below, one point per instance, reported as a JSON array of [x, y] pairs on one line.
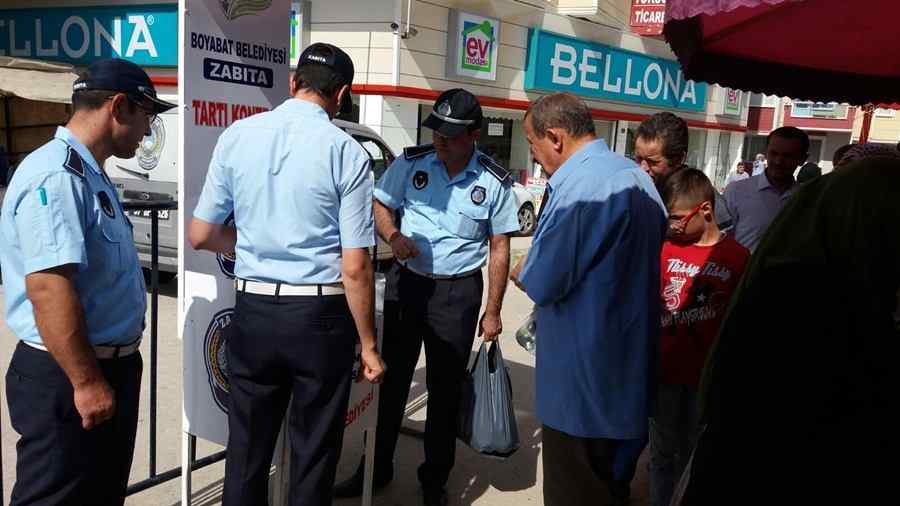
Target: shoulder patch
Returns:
[[74, 163], [413, 152], [493, 167]]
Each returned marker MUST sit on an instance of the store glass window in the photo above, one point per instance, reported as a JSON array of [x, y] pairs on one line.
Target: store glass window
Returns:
[[696, 145], [496, 139], [380, 155], [724, 158], [502, 138], [815, 151], [753, 145], [696, 156], [605, 131]]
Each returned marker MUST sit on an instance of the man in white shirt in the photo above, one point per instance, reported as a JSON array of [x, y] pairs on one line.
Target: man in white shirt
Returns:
[[739, 174], [753, 203], [759, 165]]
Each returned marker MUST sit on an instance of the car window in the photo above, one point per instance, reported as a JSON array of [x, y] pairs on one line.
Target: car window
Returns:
[[381, 155]]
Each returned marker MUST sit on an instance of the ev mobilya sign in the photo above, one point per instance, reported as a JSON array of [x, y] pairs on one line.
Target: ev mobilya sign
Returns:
[[560, 63], [472, 46], [144, 34]]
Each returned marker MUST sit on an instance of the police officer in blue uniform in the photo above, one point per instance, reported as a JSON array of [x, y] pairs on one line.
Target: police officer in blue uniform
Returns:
[[75, 297], [300, 190], [457, 210]]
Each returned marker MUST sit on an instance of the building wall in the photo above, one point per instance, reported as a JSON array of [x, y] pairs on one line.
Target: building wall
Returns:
[[833, 140], [885, 129], [363, 30], [820, 123], [422, 57], [760, 119]]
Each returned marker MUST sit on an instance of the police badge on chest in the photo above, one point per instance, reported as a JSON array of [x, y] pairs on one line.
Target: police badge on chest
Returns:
[[479, 193], [106, 204], [420, 179]]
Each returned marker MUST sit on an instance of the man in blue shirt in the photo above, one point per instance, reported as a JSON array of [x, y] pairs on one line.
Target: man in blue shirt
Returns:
[[457, 209], [593, 273], [300, 190], [75, 297]]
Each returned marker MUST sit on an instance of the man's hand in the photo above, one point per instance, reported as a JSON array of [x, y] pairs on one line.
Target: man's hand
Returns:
[[517, 270], [403, 247], [95, 402], [372, 367], [490, 326]]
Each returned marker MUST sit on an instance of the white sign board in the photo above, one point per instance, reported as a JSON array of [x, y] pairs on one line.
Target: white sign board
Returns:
[[234, 65], [473, 44]]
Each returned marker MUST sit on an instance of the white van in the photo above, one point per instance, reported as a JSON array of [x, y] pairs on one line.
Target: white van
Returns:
[[153, 175]]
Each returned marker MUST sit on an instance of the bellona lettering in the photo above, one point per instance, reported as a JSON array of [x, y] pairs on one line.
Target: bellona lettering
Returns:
[[78, 36], [594, 69]]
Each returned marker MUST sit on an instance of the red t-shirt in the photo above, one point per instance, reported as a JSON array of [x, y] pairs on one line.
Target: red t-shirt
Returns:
[[697, 284]]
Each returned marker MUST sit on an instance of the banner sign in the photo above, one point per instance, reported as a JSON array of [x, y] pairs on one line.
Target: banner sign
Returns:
[[235, 66], [472, 46], [731, 102], [648, 16], [562, 63], [144, 34]]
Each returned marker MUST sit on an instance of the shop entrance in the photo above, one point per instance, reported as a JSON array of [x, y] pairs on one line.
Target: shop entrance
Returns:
[[496, 139]]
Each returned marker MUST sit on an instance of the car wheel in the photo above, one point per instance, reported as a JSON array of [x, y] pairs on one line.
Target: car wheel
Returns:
[[527, 220]]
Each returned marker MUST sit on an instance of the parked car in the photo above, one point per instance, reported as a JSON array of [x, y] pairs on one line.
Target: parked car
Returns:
[[153, 175], [527, 209]]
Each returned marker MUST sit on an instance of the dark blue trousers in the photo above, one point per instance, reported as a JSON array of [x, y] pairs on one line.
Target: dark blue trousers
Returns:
[[57, 461], [442, 314], [278, 347]]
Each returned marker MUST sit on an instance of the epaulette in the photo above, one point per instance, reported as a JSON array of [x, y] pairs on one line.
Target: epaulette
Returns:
[[74, 163], [413, 152], [493, 167]]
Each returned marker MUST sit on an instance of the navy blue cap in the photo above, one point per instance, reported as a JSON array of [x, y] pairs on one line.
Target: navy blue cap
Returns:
[[334, 58], [115, 74], [455, 112]]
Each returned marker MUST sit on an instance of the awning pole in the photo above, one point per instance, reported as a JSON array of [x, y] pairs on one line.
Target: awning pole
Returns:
[[7, 112], [866, 124]]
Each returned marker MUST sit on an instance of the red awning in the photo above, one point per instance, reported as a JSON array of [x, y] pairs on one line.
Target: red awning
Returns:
[[822, 50]]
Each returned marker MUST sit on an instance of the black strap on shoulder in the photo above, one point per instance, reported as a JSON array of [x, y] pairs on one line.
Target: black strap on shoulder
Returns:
[[74, 163], [413, 152], [493, 167]]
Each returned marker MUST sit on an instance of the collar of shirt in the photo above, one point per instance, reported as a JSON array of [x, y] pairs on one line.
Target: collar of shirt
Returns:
[[66, 135], [473, 168], [763, 183], [303, 107], [593, 147]]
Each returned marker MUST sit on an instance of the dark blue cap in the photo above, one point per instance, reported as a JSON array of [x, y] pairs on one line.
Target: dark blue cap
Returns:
[[334, 58], [455, 112], [115, 74]]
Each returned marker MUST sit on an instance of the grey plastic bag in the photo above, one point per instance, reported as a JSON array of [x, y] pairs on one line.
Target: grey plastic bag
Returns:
[[487, 419]]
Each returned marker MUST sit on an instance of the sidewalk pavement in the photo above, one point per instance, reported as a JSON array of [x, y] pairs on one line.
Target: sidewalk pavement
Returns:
[[476, 480]]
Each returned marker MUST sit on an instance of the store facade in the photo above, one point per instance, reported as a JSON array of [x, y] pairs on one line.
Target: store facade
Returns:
[[508, 53], [407, 52], [77, 33]]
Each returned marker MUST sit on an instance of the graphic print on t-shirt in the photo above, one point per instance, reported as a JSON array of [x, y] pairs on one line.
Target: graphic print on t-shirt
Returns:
[[696, 287]]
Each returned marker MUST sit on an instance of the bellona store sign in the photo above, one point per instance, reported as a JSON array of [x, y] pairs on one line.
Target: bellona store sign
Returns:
[[561, 63]]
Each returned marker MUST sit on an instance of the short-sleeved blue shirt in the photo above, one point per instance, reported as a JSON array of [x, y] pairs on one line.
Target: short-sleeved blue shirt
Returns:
[[449, 220], [300, 189], [60, 209]]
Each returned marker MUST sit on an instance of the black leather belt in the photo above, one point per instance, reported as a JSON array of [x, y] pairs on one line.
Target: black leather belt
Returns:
[[442, 276]]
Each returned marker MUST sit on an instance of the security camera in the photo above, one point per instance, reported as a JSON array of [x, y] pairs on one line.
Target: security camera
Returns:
[[405, 34]]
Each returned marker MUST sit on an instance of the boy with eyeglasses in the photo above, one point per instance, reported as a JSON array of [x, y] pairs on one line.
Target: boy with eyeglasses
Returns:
[[700, 269]]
